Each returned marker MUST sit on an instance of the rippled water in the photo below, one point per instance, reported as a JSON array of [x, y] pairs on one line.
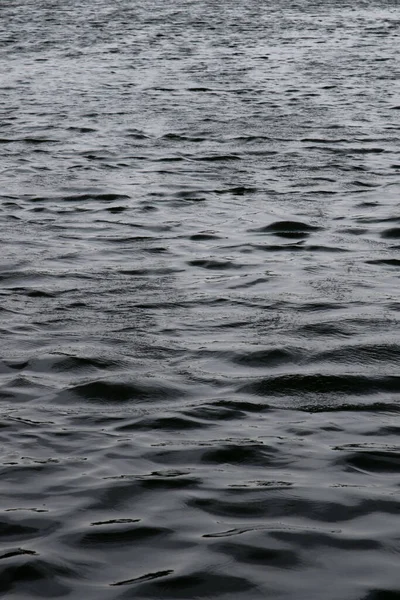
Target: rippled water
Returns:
[[200, 252]]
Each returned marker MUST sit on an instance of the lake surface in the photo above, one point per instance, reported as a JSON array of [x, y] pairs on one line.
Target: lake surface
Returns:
[[200, 338]]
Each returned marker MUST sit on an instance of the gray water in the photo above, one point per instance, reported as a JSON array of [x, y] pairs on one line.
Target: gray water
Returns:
[[200, 252]]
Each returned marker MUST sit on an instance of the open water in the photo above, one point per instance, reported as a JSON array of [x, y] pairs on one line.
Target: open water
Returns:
[[199, 267]]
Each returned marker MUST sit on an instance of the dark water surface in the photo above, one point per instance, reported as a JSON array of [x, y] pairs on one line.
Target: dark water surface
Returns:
[[200, 259]]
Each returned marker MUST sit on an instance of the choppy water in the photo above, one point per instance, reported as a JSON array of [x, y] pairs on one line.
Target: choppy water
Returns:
[[200, 252]]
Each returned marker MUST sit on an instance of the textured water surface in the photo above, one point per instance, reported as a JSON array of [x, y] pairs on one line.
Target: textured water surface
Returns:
[[199, 268]]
